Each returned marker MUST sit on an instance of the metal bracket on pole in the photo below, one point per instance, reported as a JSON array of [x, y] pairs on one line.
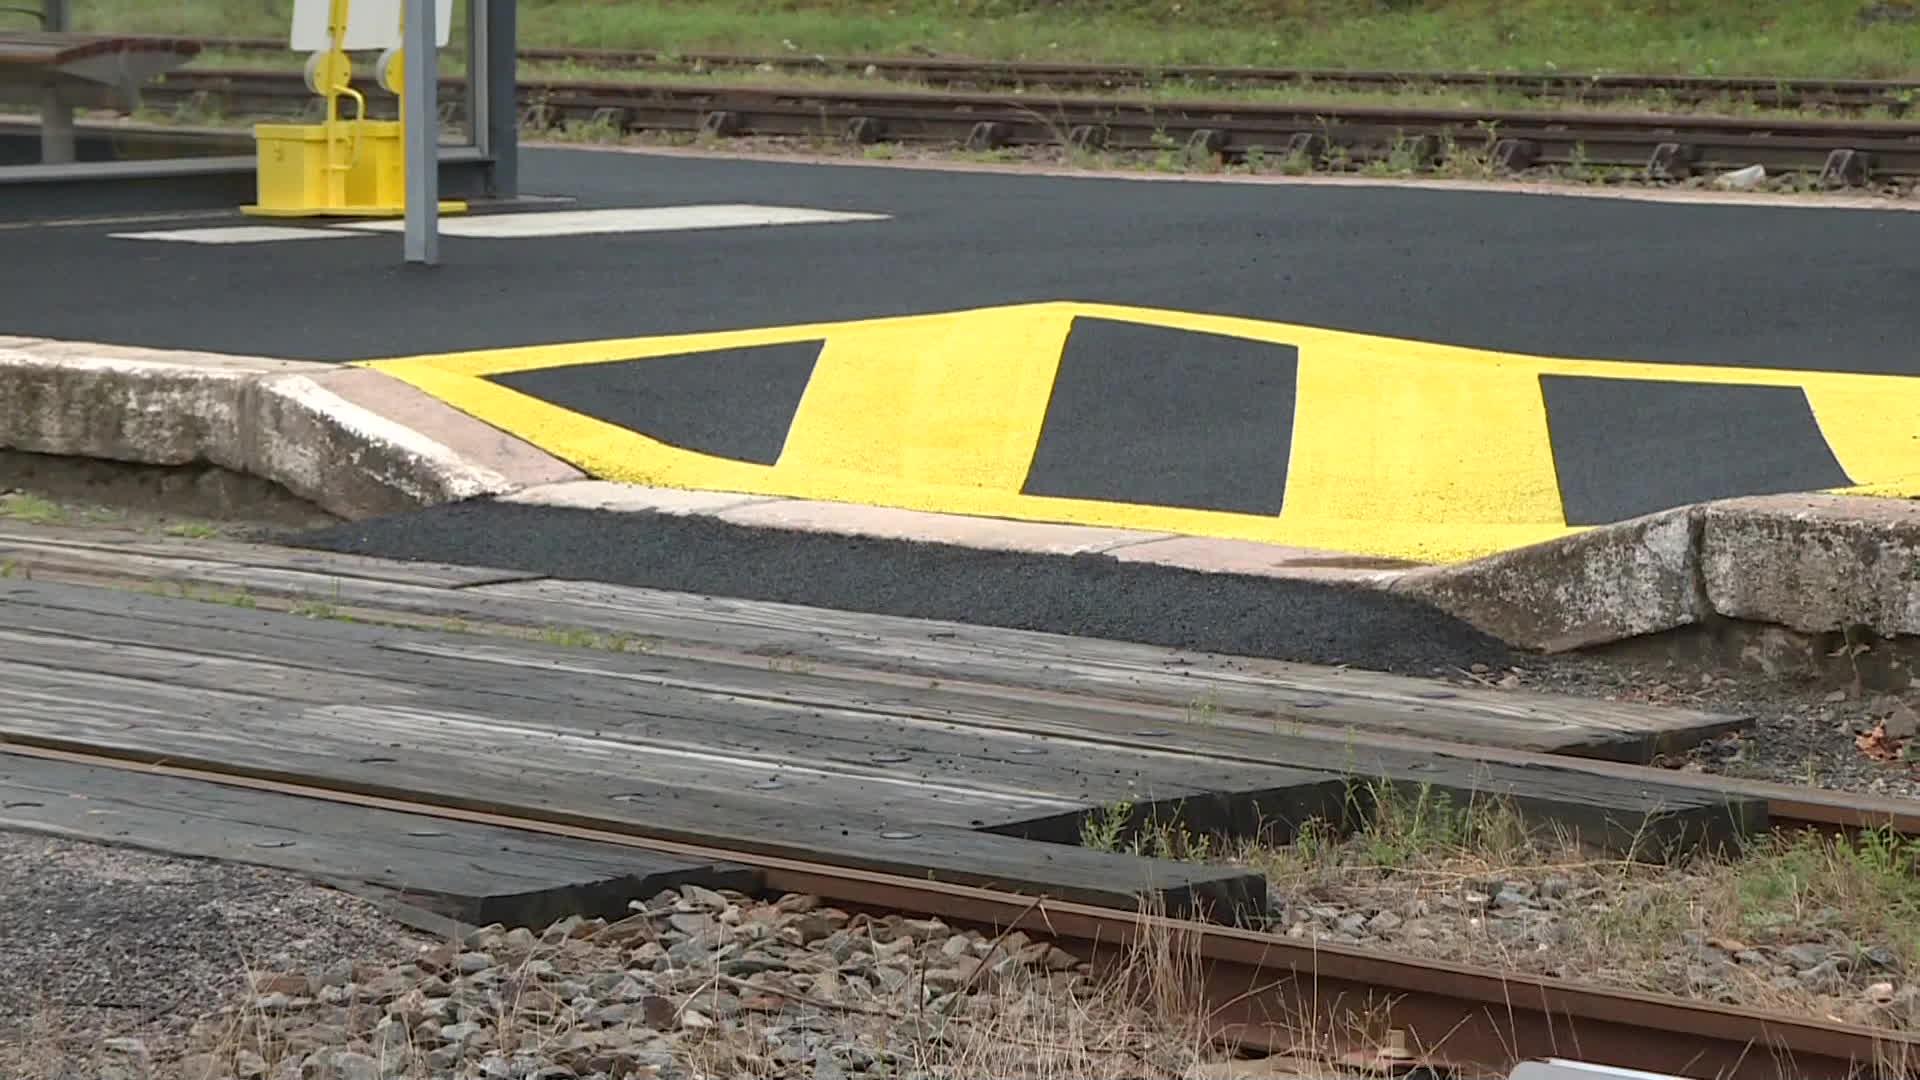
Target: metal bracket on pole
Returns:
[[422, 126], [57, 137]]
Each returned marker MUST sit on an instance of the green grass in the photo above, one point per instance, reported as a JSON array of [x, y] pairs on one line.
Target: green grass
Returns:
[[1763, 37], [32, 509], [193, 530], [1775, 888], [575, 637]]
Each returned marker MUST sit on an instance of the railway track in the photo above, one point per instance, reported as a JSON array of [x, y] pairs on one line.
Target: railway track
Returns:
[[1296, 137], [1897, 96], [1264, 992]]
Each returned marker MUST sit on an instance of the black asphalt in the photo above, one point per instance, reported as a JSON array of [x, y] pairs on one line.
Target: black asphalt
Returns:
[[1086, 595], [732, 403], [1603, 278], [1626, 447], [1147, 414], [1606, 278]]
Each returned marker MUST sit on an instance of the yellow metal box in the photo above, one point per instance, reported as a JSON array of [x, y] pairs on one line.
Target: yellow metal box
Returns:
[[347, 168]]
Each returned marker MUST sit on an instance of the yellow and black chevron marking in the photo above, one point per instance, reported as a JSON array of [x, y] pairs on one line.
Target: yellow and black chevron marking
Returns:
[[1197, 424]]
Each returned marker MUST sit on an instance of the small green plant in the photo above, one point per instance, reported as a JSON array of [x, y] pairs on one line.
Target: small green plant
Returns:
[[1103, 829], [13, 568], [1401, 826], [578, 637], [315, 609], [1256, 159], [881, 152], [1201, 710], [193, 530], [32, 509], [1167, 156], [1578, 164], [570, 637]]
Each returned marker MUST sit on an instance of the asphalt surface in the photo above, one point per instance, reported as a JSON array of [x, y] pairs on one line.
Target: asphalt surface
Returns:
[[1582, 277], [1083, 595], [1166, 420]]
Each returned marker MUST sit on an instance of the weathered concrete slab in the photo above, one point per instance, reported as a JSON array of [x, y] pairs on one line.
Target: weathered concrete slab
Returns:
[[1814, 563], [267, 418], [1621, 581]]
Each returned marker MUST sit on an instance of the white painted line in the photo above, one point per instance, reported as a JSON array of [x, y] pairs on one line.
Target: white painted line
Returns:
[[625, 220], [234, 234]]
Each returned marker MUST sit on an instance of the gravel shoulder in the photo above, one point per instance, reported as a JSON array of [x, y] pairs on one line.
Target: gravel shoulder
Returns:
[[103, 943]]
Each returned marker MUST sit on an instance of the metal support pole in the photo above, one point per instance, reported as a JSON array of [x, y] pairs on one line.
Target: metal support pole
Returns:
[[423, 133], [56, 115], [503, 112]]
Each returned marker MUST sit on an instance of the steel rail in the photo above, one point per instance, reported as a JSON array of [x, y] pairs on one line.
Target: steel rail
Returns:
[[1895, 95], [1664, 146], [1263, 991]]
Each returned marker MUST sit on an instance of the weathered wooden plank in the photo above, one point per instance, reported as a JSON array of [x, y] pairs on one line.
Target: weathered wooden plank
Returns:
[[403, 736], [1234, 689], [963, 775], [1264, 690], [95, 549], [1607, 811], [476, 873], [270, 747]]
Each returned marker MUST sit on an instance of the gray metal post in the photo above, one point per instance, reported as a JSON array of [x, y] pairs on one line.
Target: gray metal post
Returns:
[[56, 115], [503, 109], [423, 134]]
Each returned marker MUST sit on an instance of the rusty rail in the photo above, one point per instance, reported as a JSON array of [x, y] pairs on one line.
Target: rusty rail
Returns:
[[1897, 96], [1265, 992], [1327, 136]]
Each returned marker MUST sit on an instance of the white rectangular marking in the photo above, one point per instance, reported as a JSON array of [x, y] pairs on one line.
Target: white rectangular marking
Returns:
[[234, 234], [627, 220], [371, 24]]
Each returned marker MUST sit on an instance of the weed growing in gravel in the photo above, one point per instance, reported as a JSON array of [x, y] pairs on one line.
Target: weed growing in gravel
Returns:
[[1868, 887], [1799, 923], [1113, 828], [578, 637], [193, 530], [32, 509]]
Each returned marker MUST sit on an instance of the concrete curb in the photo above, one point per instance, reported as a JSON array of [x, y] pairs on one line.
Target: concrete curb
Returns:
[[1815, 564], [360, 444], [355, 446]]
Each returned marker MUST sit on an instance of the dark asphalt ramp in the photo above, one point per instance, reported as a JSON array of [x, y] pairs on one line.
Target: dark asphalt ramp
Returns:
[[1164, 417], [1085, 595], [732, 403], [1627, 447]]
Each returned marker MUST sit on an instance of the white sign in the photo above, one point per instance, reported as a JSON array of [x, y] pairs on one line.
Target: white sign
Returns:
[[371, 24]]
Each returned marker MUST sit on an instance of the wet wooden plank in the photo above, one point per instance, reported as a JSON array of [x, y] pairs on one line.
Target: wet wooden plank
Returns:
[[1259, 689], [475, 873], [859, 705], [263, 742], [1255, 692], [102, 550], [693, 736]]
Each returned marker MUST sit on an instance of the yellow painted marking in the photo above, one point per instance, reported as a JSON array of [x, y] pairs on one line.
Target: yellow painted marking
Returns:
[[953, 403], [1400, 448]]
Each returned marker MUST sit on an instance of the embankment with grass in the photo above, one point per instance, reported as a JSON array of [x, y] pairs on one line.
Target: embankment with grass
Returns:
[[1858, 38]]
